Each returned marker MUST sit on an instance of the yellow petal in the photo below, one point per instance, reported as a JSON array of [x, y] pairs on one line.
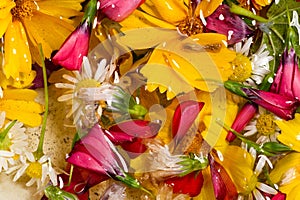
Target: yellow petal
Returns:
[[172, 11], [208, 6], [139, 19], [288, 162], [263, 2], [24, 81], [44, 33], [207, 191], [290, 132], [20, 94], [238, 163], [4, 24], [17, 54], [29, 119]]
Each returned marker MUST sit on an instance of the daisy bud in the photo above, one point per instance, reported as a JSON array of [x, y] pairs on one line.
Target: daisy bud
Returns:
[[287, 79], [118, 10], [224, 22], [242, 119], [75, 47], [184, 116]]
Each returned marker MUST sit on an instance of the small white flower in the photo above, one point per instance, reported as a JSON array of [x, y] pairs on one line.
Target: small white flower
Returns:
[[40, 171], [94, 83], [259, 61], [14, 143]]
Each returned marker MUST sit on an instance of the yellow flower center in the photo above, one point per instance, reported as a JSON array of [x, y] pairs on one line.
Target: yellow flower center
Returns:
[[34, 170], [24, 8], [87, 83], [190, 26], [265, 124], [242, 68], [251, 184]]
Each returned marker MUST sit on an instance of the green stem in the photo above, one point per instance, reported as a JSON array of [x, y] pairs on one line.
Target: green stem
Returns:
[[247, 13], [90, 12], [39, 151], [5, 131]]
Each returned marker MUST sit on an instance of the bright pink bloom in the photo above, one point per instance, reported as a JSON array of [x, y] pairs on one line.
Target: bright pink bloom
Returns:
[[279, 196], [76, 46], [287, 79], [242, 119], [183, 118], [118, 10], [282, 106], [190, 184]]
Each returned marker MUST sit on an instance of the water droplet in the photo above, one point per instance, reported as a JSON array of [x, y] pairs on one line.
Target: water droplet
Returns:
[[12, 39], [14, 51], [113, 5], [221, 17], [270, 80]]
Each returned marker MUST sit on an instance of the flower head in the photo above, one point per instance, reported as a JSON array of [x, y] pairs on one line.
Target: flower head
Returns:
[[40, 171]]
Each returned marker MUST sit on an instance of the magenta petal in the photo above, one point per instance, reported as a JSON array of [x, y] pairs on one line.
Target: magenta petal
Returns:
[[242, 119], [76, 46], [184, 116], [118, 10], [282, 106], [279, 196], [128, 130], [222, 184], [224, 22]]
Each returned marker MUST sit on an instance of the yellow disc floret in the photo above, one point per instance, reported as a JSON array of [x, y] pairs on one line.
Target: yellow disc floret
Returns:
[[24, 8], [34, 170], [242, 68], [265, 124]]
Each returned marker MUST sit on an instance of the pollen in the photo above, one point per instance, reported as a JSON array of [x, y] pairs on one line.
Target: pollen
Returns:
[[23, 9], [265, 124], [242, 68], [34, 170], [190, 26]]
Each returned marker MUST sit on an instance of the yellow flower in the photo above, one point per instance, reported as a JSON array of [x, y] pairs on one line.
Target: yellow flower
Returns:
[[173, 15], [27, 23], [286, 174], [290, 132], [19, 104]]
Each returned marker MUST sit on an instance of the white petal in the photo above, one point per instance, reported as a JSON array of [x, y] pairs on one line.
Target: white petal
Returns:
[[70, 78], [65, 97], [266, 188], [101, 71], [258, 195], [20, 172], [31, 182]]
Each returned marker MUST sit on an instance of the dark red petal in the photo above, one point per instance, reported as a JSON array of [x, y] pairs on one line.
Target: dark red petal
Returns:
[[184, 116], [242, 119], [222, 21], [222, 183], [190, 184]]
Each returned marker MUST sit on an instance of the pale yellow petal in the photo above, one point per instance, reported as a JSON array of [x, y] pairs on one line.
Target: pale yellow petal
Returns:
[[207, 191], [17, 54]]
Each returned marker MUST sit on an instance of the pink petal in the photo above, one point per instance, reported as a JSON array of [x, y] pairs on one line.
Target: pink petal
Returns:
[[184, 116]]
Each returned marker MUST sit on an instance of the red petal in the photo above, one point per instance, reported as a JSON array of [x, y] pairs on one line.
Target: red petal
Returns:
[[223, 185], [279, 196], [76, 46], [190, 184], [242, 119], [184, 116]]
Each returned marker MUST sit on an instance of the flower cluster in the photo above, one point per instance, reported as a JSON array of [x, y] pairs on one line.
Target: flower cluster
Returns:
[[174, 99]]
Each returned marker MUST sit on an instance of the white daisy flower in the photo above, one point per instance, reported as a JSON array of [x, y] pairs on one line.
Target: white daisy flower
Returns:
[[13, 141], [264, 126], [40, 171], [256, 192], [95, 83], [250, 68]]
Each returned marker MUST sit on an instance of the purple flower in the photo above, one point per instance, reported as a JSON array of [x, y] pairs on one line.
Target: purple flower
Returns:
[[224, 22], [287, 79], [242, 119], [282, 106]]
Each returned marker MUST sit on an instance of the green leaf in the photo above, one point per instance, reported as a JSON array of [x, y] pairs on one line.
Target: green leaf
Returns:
[[275, 34]]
